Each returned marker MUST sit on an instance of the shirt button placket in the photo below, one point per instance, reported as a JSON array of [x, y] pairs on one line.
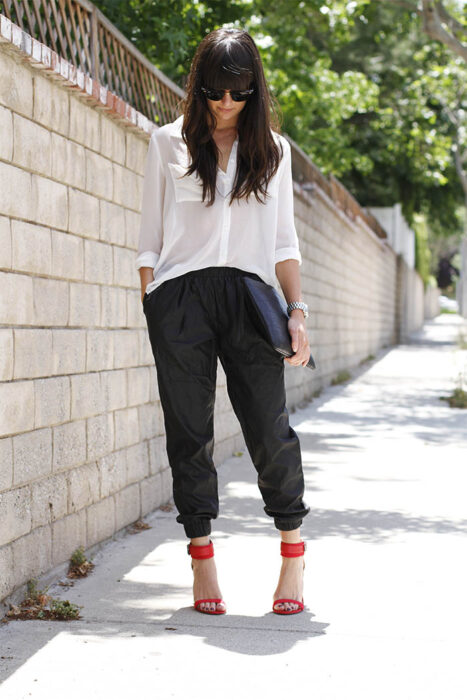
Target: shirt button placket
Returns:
[[224, 242]]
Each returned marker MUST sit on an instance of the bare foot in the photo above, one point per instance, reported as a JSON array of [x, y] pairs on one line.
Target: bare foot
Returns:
[[290, 583], [205, 584]]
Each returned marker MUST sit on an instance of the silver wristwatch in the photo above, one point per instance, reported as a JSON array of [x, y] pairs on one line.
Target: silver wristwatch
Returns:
[[298, 305]]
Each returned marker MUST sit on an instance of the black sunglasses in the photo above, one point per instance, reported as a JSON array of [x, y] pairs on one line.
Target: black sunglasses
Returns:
[[236, 95]]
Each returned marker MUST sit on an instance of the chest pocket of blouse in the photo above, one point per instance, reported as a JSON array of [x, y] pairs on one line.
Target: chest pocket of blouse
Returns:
[[187, 189]]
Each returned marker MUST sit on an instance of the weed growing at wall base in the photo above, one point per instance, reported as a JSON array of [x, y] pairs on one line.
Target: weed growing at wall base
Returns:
[[38, 605]]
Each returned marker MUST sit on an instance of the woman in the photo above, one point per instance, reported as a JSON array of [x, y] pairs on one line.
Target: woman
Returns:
[[217, 206]]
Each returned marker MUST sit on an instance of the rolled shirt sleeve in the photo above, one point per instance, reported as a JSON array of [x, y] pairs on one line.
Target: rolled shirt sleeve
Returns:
[[152, 207], [287, 245]]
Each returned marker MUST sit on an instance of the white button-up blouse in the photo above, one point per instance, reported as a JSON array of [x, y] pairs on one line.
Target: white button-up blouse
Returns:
[[179, 233]]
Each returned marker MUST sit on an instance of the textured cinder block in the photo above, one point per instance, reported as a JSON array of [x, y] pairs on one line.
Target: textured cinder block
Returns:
[[148, 420], [151, 494], [69, 444], [85, 124], [99, 350], [15, 191], [136, 317], [6, 354], [31, 248], [83, 486], [166, 486], [222, 449], [99, 435], [49, 202], [112, 469], [50, 298], [113, 307], [51, 104], [5, 242], [127, 506], [7, 575], [16, 407], [114, 388], [99, 175], [67, 256], [224, 425], [100, 521], [33, 353], [68, 534], [136, 152], [6, 130], [85, 307], [113, 141], [83, 213], [145, 357], [112, 223], [138, 385], [6, 463], [127, 189], [137, 460], [158, 459], [125, 344], [32, 554], [98, 262], [15, 514], [86, 397], [68, 351], [132, 226], [32, 456], [68, 162], [126, 427], [15, 85], [32, 149], [49, 499], [52, 401], [124, 267]]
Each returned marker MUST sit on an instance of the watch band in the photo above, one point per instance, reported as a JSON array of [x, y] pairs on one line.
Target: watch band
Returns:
[[298, 305]]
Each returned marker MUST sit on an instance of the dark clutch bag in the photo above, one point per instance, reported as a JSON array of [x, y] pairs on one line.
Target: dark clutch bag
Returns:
[[271, 310]]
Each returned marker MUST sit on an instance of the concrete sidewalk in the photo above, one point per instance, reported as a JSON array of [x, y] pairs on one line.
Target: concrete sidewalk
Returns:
[[385, 579]]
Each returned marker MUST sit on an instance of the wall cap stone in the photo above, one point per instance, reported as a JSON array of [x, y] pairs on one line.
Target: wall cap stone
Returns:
[[43, 58]]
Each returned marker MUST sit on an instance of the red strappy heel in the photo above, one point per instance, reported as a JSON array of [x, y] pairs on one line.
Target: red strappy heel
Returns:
[[296, 549], [205, 551]]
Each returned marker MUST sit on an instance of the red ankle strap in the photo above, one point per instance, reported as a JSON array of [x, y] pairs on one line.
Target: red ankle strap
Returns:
[[202, 551], [293, 549]]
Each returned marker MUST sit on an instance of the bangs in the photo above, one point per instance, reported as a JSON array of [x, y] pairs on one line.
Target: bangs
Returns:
[[228, 67]]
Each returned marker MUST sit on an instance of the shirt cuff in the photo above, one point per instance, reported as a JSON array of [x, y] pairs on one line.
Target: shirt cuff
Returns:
[[287, 254], [147, 259]]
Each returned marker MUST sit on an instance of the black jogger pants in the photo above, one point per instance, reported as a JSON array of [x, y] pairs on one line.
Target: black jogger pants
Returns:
[[192, 320]]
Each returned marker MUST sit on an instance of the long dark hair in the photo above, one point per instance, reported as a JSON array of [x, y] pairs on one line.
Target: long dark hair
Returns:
[[229, 58]]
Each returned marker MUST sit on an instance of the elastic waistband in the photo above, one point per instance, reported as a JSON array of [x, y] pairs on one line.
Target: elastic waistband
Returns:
[[221, 271]]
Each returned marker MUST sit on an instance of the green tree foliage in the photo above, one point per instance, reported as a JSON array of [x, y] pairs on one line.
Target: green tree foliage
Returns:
[[355, 82]]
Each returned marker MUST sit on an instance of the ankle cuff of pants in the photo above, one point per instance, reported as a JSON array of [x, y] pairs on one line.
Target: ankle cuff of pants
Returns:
[[195, 527], [287, 525]]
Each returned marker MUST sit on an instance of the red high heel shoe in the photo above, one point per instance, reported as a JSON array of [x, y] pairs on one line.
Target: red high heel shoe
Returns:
[[296, 549], [205, 552]]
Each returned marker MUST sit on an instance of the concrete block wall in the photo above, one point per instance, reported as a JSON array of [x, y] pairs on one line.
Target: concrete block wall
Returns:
[[432, 306], [410, 300], [349, 280], [82, 442]]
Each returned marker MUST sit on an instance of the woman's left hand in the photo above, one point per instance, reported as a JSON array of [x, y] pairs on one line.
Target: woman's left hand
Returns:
[[299, 339]]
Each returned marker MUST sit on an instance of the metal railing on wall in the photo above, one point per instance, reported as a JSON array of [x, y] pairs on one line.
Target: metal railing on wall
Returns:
[[308, 175], [80, 33]]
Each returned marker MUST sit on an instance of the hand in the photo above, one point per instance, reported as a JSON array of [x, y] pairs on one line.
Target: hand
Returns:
[[299, 339]]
